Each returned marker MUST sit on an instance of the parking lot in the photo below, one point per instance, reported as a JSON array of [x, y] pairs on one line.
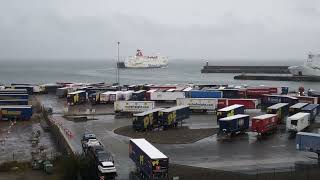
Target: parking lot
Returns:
[[243, 153]]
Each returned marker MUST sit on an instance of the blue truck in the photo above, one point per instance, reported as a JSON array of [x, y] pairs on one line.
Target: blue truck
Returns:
[[150, 162], [139, 95], [281, 109], [77, 97], [172, 116], [296, 108], [234, 124], [269, 100], [146, 120], [13, 96], [309, 142], [230, 111], [313, 109], [203, 94], [14, 102], [15, 112]]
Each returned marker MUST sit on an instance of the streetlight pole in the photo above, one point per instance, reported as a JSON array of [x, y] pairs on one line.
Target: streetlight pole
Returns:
[[118, 74]]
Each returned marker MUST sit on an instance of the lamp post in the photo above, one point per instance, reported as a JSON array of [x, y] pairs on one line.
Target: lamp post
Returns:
[[118, 74]]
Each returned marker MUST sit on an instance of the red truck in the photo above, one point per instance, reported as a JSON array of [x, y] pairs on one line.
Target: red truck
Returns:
[[248, 103], [264, 124]]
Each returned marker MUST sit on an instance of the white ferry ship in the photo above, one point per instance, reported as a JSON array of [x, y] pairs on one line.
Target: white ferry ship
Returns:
[[141, 61], [310, 68]]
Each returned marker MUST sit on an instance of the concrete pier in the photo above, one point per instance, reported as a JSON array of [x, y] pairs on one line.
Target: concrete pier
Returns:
[[277, 78], [246, 69]]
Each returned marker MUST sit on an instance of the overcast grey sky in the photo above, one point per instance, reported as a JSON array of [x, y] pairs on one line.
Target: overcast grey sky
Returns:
[[211, 29]]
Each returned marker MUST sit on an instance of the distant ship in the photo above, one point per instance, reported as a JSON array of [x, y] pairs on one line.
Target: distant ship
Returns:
[[310, 68], [141, 61]]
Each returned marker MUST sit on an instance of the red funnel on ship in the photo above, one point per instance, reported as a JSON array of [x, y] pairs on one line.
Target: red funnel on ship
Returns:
[[139, 53]]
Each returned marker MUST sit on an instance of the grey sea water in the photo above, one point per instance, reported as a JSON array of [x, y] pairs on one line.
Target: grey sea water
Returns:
[[178, 71]]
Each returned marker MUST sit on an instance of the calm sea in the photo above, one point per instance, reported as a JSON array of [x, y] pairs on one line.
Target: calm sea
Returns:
[[178, 71]]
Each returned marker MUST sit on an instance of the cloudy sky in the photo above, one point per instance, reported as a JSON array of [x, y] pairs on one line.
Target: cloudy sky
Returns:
[[210, 29]]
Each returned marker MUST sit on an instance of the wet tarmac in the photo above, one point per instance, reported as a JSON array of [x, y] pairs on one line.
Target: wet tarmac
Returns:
[[244, 153], [16, 145]]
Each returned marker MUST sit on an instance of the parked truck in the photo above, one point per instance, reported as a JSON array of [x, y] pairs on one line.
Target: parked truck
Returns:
[[172, 116], [13, 96], [166, 95], [147, 120], [13, 91], [294, 109], [232, 125], [149, 161], [307, 99], [133, 106], [199, 104], [298, 122], [248, 103], [230, 111], [313, 109], [15, 112], [62, 92], [309, 142], [281, 109], [139, 95], [77, 97], [94, 98], [203, 94], [14, 102], [264, 124]]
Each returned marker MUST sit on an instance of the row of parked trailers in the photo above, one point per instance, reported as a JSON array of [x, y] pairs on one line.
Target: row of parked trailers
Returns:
[[14, 104], [160, 117]]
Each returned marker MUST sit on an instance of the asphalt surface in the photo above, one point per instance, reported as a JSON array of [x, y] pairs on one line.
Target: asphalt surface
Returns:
[[243, 153]]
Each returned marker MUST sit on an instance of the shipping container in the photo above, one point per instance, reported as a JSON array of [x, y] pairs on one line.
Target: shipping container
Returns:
[[298, 122], [114, 96], [13, 96], [309, 142], [146, 120], [16, 112], [230, 93], [133, 106], [281, 109], [27, 87], [13, 91], [172, 116], [307, 99], [149, 161], [166, 96], [230, 111], [263, 124], [62, 92], [204, 94], [294, 109], [14, 102], [269, 100], [50, 88], [125, 95], [94, 98], [148, 94], [248, 103], [198, 104], [313, 109], [257, 92], [234, 124], [105, 97], [77, 97], [139, 95]]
